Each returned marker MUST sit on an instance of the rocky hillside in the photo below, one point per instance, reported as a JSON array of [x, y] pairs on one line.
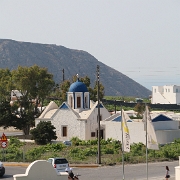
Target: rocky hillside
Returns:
[[56, 58]]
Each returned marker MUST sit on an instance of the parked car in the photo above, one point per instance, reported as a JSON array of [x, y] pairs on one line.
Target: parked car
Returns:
[[60, 164], [67, 143], [2, 169]]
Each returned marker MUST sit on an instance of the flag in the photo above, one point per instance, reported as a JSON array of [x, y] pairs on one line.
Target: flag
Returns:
[[151, 135], [125, 132]]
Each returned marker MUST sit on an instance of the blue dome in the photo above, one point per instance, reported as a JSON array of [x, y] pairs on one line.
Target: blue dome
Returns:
[[78, 86]]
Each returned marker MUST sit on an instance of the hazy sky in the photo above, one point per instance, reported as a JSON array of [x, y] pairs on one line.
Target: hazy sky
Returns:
[[139, 38]]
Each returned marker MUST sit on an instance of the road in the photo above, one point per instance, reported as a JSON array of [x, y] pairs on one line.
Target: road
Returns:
[[156, 171]]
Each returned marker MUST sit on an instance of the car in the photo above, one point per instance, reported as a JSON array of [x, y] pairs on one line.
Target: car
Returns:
[[67, 143], [60, 164], [2, 169]]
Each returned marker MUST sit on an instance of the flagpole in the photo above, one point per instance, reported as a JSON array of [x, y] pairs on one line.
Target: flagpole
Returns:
[[146, 145], [122, 143]]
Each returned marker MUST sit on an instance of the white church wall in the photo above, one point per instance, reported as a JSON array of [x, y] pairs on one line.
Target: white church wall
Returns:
[[136, 131], [93, 123], [66, 118], [169, 125], [82, 133], [167, 136]]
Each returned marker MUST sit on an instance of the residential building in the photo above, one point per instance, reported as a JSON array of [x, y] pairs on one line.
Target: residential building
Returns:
[[166, 94]]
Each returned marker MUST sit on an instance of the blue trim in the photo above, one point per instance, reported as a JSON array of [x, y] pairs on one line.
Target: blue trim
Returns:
[[161, 117], [118, 119], [74, 100], [101, 106], [63, 106], [83, 100]]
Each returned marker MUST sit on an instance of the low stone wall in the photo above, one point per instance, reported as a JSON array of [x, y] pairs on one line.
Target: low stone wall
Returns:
[[41, 169]]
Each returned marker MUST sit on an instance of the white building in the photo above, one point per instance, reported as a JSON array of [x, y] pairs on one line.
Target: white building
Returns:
[[166, 128], [165, 94], [77, 117]]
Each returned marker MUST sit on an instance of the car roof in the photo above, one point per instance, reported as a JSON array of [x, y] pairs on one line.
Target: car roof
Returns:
[[57, 158]]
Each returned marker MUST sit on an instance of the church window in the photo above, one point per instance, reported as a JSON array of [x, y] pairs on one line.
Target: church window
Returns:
[[78, 102], [86, 103], [71, 101], [93, 134], [64, 131]]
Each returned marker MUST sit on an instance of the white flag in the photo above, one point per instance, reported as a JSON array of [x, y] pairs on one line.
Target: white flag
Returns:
[[125, 131], [151, 135]]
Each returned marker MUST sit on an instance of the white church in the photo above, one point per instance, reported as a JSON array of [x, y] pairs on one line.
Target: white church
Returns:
[[78, 117]]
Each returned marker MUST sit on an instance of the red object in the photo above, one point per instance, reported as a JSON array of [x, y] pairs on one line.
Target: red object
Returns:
[[3, 144], [4, 138]]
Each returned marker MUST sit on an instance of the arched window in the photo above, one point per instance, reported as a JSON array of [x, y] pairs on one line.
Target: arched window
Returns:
[[86, 102], [71, 101], [78, 102]]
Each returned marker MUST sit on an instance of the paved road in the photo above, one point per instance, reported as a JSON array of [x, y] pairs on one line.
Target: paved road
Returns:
[[156, 171]]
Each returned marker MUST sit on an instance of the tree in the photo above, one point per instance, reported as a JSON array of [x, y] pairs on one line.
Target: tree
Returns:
[[93, 94], [7, 118], [64, 87], [139, 108], [34, 81], [5, 84], [34, 84], [43, 133]]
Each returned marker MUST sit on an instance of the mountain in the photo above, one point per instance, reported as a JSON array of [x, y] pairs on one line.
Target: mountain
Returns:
[[56, 58]]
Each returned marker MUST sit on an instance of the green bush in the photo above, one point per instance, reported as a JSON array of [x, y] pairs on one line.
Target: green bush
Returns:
[[43, 133]]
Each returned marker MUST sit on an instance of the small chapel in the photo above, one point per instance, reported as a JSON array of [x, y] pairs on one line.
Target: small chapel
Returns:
[[77, 117]]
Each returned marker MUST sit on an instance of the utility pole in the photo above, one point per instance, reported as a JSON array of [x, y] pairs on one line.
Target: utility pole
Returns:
[[63, 74], [99, 133]]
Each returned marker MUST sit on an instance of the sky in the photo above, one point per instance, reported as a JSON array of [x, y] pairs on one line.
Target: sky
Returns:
[[139, 38]]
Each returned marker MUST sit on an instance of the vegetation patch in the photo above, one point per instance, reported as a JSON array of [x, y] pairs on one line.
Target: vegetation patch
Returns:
[[86, 152]]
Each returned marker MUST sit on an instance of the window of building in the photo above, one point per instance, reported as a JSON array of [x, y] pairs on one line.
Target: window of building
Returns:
[[78, 102], [155, 90], [168, 90], [176, 90], [86, 103], [71, 100], [64, 131], [93, 134]]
